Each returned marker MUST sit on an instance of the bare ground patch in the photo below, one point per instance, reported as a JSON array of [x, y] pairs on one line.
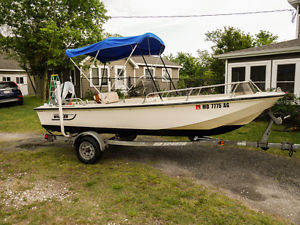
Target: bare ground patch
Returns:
[[17, 191], [20, 189], [26, 141]]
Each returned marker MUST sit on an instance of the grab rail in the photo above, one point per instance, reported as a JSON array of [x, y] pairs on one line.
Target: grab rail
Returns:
[[189, 91]]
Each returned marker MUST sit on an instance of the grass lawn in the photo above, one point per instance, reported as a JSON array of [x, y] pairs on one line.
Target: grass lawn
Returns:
[[21, 118], [49, 186]]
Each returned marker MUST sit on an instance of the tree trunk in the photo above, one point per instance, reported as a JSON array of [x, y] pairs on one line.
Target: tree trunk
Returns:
[[45, 82], [39, 86]]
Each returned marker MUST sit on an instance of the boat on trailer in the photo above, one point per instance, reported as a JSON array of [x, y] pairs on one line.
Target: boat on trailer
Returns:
[[187, 115], [181, 112]]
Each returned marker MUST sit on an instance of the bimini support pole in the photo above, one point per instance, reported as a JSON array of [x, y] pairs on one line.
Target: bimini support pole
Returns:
[[96, 57], [124, 66], [130, 55], [157, 89], [103, 71], [61, 115], [168, 73], [85, 76]]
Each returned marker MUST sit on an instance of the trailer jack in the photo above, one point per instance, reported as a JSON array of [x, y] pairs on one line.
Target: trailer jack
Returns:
[[284, 146]]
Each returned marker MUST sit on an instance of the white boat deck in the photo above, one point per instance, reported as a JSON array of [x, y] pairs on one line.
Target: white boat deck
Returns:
[[241, 91], [165, 101]]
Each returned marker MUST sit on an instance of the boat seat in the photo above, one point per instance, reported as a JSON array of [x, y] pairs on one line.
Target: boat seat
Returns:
[[106, 98]]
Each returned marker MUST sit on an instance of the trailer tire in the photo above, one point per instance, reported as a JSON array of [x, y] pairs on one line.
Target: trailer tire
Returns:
[[88, 150]]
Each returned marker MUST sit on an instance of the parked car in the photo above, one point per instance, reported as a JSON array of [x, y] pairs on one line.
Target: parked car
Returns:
[[10, 92]]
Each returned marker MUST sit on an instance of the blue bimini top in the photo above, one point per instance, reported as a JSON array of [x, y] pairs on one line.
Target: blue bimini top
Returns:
[[115, 48]]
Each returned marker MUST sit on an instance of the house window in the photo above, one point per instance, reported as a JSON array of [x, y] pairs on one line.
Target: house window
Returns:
[[286, 77], [120, 74], [147, 73], [19, 80], [104, 76], [258, 76], [165, 75], [6, 79], [238, 74], [95, 76]]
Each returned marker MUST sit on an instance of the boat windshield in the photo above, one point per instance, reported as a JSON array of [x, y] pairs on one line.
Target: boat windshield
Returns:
[[243, 89]]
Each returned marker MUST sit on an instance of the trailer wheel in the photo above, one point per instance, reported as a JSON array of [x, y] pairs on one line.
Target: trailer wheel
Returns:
[[88, 150]]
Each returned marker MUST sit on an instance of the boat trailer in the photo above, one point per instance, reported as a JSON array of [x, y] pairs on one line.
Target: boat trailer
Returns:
[[90, 145], [263, 142]]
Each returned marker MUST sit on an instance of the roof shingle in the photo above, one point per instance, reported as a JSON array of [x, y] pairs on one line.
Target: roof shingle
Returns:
[[276, 48], [8, 64]]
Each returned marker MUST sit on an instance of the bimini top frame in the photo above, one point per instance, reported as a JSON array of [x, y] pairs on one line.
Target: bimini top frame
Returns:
[[115, 48]]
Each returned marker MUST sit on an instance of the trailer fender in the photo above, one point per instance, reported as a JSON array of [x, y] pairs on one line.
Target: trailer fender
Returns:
[[94, 135]]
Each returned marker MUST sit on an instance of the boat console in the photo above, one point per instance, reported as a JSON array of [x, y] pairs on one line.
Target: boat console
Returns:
[[106, 98]]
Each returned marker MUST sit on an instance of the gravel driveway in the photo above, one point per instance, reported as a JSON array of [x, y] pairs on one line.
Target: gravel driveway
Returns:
[[261, 181]]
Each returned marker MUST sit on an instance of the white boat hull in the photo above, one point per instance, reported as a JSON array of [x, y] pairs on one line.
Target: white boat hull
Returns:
[[171, 117]]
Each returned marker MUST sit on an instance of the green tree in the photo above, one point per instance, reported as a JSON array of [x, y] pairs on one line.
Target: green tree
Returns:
[[205, 69], [190, 69], [264, 38], [39, 31], [196, 70], [231, 39]]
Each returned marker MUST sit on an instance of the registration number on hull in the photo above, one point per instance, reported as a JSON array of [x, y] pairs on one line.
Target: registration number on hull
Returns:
[[213, 106], [65, 116]]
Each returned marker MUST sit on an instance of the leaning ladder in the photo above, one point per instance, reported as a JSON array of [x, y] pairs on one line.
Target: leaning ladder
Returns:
[[53, 79]]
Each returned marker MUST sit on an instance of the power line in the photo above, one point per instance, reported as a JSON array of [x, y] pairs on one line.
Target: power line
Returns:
[[204, 15]]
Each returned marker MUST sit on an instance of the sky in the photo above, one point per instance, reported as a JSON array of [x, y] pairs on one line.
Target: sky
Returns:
[[188, 34]]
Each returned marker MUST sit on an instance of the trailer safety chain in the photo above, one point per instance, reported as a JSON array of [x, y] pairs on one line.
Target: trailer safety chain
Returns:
[[289, 147], [291, 150]]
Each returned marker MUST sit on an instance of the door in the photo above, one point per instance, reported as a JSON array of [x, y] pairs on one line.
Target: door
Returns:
[[120, 78], [22, 83]]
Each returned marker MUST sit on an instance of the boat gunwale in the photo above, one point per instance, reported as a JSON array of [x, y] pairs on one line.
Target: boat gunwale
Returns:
[[162, 103]]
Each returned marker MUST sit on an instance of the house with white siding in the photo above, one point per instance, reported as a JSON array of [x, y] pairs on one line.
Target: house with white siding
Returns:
[[10, 70], [269, 66]]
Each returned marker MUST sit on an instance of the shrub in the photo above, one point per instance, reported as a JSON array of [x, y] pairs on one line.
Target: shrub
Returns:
[[89, 94], [288, 105], [120, 94]]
